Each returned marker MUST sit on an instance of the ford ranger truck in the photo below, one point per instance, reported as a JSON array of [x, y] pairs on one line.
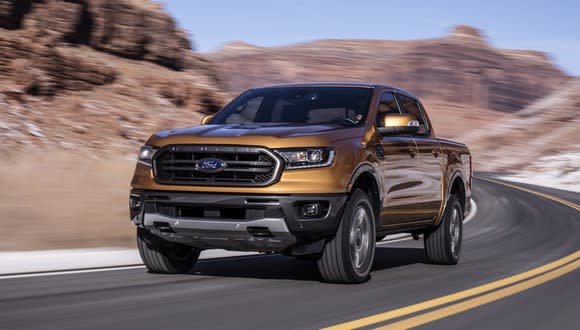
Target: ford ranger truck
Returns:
[[319, 171]]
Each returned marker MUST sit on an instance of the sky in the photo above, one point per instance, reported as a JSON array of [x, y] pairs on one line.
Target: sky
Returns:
[[549, 26]]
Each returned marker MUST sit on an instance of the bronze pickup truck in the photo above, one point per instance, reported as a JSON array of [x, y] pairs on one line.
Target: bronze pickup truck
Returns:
[[319, 171]]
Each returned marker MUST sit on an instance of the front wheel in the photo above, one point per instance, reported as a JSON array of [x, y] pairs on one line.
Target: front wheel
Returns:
[[160, 256], [348, 256], [443, 245]]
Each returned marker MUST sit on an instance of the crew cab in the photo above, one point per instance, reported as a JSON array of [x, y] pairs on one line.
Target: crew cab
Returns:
[[318, 171]]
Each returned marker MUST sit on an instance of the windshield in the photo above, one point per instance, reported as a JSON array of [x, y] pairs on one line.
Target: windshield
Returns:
[[342, 106]]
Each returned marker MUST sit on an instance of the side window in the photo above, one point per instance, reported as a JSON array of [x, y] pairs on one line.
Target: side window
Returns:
[[387, 105], [410, 106]]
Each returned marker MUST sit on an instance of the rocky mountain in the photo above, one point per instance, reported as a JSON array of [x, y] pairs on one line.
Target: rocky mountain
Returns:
[[546, 132], [460, 68], [104, 74], [510, 106], [101, 74]]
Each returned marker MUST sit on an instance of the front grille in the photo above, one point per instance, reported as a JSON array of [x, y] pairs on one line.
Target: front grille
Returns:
[[244, 166]]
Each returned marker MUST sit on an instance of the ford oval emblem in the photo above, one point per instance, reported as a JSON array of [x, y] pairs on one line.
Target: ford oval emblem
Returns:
[[211, 165]]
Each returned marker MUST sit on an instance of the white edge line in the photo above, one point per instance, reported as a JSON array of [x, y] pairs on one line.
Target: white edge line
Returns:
[[469, 217], [472, 212], [69, 272], [112, 268]]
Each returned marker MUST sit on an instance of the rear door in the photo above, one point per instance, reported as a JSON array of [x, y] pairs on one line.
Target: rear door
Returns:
[[399, 168], [430, 178]]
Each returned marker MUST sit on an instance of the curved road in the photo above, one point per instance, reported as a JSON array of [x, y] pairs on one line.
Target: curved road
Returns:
[[513, 232]]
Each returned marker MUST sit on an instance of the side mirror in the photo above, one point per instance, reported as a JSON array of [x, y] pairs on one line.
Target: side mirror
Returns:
[[206, 119], [394, 124]]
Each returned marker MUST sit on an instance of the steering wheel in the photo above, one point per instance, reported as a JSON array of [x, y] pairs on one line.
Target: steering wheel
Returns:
[[344, 120]]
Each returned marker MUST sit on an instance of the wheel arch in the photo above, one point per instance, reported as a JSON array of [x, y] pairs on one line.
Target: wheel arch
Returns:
[[457, 188], [366, 178]]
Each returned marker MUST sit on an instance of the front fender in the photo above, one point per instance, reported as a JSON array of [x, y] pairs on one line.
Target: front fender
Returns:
[[366, 167]]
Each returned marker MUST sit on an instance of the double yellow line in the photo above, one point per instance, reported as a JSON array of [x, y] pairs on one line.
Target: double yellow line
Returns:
[[537, 193], [480, 295]]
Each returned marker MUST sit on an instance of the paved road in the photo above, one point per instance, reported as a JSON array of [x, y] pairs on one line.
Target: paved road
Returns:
[[512, 232]]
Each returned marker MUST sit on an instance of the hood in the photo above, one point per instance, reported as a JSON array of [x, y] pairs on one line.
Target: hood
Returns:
[[265, 134]]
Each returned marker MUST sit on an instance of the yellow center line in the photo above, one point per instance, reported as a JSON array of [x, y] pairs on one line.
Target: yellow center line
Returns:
[[399, 312], [481, 300], [454, 296], [533, 192]]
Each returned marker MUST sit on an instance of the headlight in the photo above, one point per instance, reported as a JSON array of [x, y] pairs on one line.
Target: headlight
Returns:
[[307, 157], [146, 155]]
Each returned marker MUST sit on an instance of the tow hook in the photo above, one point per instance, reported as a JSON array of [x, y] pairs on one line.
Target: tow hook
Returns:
[[415, 235]]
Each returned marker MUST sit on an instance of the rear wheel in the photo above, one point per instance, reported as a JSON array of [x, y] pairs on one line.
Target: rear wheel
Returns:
[[443, 245], [160, 256], [348, 256]]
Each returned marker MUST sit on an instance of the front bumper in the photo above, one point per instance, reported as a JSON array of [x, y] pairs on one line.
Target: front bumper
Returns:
[[234, 221]]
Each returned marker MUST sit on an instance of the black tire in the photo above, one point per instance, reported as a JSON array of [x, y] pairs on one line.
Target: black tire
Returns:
[[160, 256], [339, 262], [443, 244]]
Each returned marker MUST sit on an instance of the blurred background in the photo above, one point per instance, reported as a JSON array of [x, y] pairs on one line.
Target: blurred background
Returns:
[[83, 83]]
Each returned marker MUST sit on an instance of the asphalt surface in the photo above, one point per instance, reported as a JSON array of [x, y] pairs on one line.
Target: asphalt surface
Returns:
[[512, 232]]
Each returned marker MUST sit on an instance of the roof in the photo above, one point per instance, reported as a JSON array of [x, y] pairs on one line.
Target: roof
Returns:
[[340, 84]]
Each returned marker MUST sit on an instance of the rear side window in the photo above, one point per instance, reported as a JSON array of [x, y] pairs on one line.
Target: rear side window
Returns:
[[411, 107]]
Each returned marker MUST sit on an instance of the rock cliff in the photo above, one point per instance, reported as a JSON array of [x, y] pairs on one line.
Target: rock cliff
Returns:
[[97, 73], [461, 68]]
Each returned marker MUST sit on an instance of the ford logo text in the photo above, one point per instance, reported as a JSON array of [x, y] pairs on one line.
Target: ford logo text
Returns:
[[210, 165]]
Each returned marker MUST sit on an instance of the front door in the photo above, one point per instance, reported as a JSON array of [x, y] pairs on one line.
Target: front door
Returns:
[[430, 190], [400, 167]]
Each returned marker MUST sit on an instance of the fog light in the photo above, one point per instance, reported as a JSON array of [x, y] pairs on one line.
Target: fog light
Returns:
[[135, 203], [311, 210]]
